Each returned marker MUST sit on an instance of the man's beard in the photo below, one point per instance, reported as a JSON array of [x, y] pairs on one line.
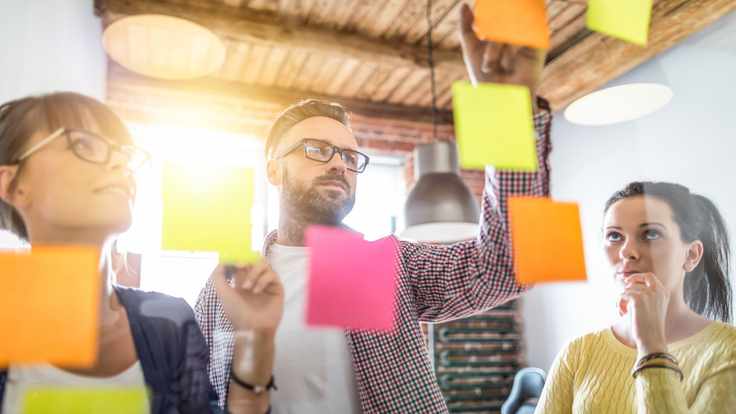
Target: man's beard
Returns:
[[311, 207]]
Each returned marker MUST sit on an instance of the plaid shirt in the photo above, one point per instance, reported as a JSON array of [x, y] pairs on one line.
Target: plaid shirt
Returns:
[[435, 283]]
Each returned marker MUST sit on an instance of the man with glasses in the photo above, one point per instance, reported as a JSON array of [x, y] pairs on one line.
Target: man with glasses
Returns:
[[313, 159]]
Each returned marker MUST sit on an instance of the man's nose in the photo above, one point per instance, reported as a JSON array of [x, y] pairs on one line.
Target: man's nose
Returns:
[[337, 164]]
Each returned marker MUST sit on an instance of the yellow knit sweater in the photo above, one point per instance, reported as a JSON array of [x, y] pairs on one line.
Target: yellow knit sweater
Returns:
[[593, 375]]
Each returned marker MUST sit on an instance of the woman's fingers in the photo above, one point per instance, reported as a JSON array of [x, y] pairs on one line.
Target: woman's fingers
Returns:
[[633, 292], [650, 279], [645, 279], [635, 278], [622, 305], [637, 291], [653, 281]]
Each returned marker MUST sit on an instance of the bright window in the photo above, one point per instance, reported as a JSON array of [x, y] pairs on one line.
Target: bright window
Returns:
[[377, 212]]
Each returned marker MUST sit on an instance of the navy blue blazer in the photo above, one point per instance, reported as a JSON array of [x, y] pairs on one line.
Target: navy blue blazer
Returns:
[[171, 350]]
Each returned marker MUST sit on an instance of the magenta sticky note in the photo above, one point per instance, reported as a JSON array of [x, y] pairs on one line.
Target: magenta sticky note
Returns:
[[352, 282]]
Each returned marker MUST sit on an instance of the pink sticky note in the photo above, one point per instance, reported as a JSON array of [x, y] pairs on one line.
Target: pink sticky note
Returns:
[[352, 282]]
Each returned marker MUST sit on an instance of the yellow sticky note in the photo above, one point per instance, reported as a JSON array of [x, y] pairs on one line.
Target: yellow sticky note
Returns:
[[49, 306], [494, 126], [209, 210], [86, 401], [624, 19]]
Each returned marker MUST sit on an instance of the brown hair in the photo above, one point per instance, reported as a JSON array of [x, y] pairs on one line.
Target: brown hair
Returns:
[[22, 118], [300, 111]]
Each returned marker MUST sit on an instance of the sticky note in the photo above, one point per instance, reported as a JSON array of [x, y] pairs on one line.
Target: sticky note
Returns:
[[547, 240], [624, 19], [494, 126], [86, 401], [49, 306], [518, 22], [352, 282], [208, 209]]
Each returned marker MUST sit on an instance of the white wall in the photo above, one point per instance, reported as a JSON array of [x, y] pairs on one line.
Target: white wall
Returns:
[[50, 45], [691, 141], [47, 46]]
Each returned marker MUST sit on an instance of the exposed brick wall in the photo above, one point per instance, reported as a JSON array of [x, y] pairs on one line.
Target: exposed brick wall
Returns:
[[475, 358], [474, 179]]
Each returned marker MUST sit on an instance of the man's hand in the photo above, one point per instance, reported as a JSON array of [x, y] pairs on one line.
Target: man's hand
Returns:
[[495, 62], [253, 300]]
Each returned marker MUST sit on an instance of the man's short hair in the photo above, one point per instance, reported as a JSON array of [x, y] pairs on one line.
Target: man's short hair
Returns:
[[300, 111]]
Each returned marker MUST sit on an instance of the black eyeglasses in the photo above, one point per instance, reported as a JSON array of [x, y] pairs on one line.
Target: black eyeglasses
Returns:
[[322, 151], [93, 148]]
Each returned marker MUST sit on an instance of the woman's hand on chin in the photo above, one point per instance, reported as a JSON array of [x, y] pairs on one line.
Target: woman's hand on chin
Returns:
[[645, 301]]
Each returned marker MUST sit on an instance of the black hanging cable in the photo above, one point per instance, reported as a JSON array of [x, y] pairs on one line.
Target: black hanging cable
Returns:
[[430, 60]]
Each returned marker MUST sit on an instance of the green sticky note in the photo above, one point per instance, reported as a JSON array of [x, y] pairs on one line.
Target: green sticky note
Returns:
[[209, 210], [85, 401], [624, 19], [494, 126]]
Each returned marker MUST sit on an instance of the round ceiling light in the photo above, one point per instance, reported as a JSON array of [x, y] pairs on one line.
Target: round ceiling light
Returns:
[[164, 47], [619, 104]]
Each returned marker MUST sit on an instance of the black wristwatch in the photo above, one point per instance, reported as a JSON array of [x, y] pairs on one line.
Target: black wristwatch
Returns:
[[256, 389]]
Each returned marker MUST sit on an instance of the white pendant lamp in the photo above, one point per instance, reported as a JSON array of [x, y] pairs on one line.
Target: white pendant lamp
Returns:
[[618, 104], [164, 47]]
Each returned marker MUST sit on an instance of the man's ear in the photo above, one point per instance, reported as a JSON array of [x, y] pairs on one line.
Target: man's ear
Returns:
[[274, 172], [7, 175]]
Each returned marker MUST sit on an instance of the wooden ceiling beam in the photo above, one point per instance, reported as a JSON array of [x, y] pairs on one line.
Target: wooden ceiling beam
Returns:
[[582, 63], [240, 108], [597, 59], [253, 27]]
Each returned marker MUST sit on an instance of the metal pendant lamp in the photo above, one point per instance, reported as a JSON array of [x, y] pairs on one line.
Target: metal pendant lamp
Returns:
[[440, 207]]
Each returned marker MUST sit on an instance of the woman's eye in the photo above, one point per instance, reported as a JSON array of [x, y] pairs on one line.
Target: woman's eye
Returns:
[[84, 145], [614, 236], [313, 150], [652, 235]]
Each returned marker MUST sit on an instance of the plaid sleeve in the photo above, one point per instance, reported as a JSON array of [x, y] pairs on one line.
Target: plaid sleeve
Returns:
[[466, 278], [218, 335]]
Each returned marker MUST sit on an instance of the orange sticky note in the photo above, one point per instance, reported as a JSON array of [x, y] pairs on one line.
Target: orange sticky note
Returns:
[[547, 240], [519, 22], [49, 306]]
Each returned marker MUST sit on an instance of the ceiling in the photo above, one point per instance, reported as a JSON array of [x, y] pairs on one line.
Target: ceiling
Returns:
[[373, 53]]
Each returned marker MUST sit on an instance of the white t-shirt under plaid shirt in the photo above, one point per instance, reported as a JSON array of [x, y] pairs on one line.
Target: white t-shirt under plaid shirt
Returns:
[[313, 366], [393, 373]]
